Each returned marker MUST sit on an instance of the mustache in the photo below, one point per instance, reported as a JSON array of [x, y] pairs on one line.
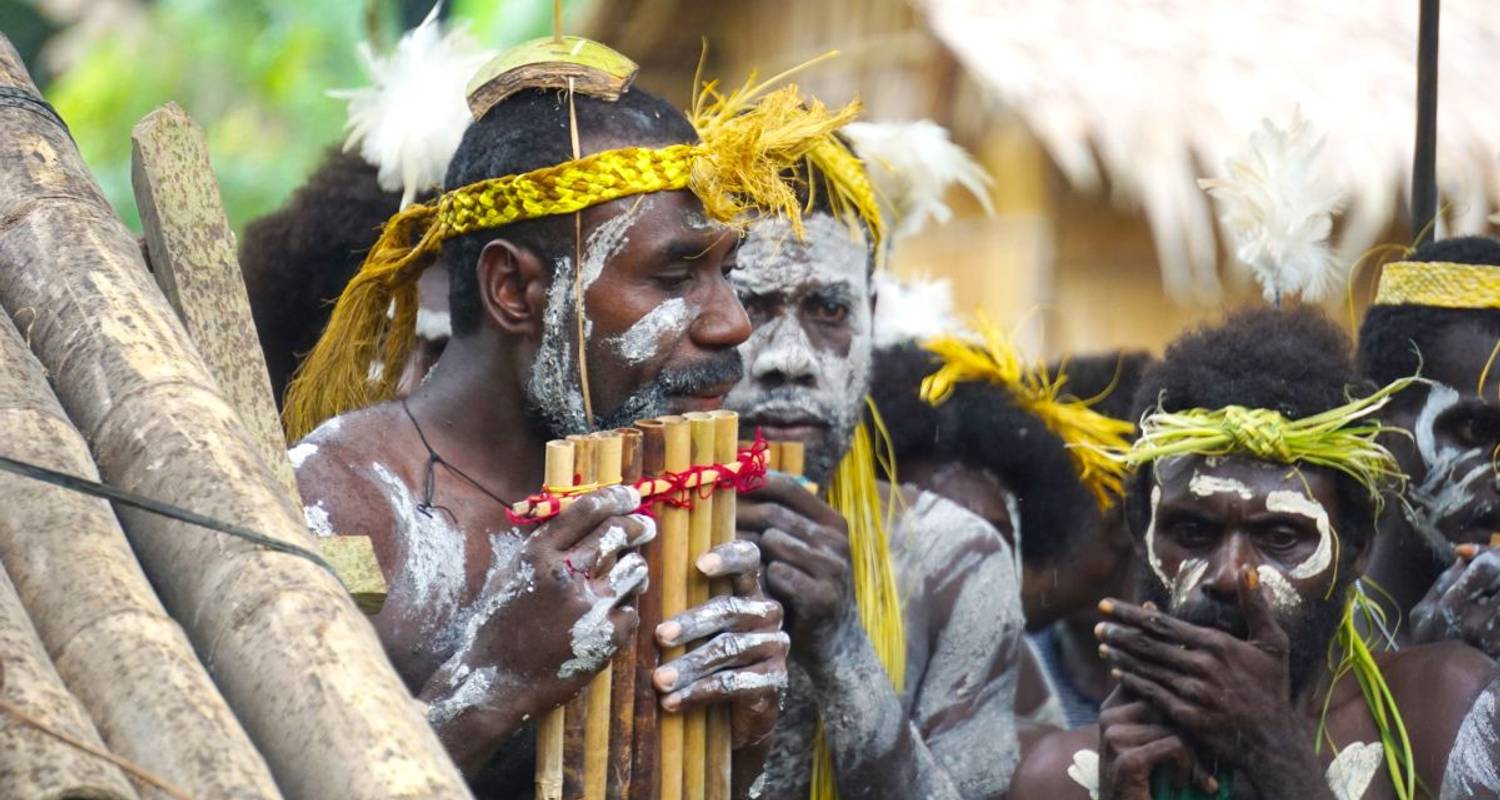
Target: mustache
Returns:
[[714, 371], [790, 398], [1209, 613]]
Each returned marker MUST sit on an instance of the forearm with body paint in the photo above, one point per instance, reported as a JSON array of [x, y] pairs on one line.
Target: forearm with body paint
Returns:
[[470, 716], [877, 752], [1473, 770]]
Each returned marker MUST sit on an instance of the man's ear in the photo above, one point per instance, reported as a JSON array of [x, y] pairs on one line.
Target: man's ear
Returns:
[[512, 284]]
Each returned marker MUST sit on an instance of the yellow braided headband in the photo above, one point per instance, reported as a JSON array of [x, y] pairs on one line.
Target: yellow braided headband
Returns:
[[1342, 438], [1090, 436], [754, 144], [1441, 284]]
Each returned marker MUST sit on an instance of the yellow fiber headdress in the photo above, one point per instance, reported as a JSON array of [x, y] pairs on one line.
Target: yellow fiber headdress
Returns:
[[750, 138], [1342, 438], [1089, 435], [1440, 284]]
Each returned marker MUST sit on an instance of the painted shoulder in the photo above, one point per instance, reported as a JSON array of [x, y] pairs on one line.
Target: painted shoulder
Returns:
[[1058, 766], [937, 533], [343, 468], [1447, 692]]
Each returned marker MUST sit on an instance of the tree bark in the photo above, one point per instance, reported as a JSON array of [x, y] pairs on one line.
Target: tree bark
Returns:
[[296, 660], [33, 765]]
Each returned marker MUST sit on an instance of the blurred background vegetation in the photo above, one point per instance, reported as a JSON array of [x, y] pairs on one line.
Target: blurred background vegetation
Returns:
[[253, 73]]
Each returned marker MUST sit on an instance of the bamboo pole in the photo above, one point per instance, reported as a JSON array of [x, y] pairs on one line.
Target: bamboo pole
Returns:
[[645, 762], [596, 725], [294, 657], [793, 457], [674, 595], [33, 764], [127, 662], [700, 539], [575, 711], [622, 691], [720, 740], [551, 732]]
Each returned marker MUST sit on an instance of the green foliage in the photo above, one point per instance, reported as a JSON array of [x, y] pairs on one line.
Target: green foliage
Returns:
[[254, 74]]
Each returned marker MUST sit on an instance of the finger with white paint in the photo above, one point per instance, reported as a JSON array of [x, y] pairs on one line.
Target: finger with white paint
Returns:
[[586, 514], [724, 687], [718, 615], [739, 561], [596, 553], [608, 624], [727, 651]]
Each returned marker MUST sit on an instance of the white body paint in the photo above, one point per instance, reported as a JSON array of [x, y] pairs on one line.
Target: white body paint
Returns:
[[1443, 492], [593, 633], [1474, 762], [299, 454], [643, 340], [1085, 772], [433, 559], [1286, 501], [434, 325], [1208, 485], [1351, 771], [317, 519]]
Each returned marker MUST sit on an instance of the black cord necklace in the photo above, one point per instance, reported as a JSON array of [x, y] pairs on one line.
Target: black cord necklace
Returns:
[[429, 482]]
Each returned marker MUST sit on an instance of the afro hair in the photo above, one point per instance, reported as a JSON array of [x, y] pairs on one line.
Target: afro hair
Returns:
[[297, 259], [1392, 338], [1292, 359], [981, 427]]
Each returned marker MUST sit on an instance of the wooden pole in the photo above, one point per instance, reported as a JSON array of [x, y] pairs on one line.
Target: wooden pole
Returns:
[[700, 540], [126, 661], [622, 692], [607, 453], [645, 766], [550, 732], [720, 740], [575, 711], [33, 764], [1424, 189], [297, 661], [674, 596], [193, 260]]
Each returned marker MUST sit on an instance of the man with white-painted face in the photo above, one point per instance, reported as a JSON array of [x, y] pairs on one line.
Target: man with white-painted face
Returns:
[[1439, 312], [492, 623], [1243, 674], [904, 642]]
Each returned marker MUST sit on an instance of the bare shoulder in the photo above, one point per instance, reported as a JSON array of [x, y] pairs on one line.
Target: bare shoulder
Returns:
[[1443, 679], [343, 467], [1058, 766]]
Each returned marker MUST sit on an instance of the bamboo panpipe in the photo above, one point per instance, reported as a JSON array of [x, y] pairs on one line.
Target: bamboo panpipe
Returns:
[[645, 778], [718, 758], [596, 725], [648, 488], [700, 540], [575, 711], [622, 691], [550, 732], [673, 529]]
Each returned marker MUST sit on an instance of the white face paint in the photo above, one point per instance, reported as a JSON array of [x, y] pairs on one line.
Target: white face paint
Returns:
[[791, 380], [1284, 501], [1151, 557], [644, 340], [1447, 488], [1208, 485], [554, 390], [1189, 575], [1283, 595]]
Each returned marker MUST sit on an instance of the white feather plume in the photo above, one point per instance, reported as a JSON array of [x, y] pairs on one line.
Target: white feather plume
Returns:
[[912, 309], [912, 164], [1276, 205], [408, 123]]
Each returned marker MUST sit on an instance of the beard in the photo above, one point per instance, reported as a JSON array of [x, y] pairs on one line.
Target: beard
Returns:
[[1309, 628], [824, 448], [561, 413]]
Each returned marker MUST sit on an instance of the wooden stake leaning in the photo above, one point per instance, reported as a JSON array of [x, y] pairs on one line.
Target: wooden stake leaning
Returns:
[[720, 743], [549, 736], [673, 530], [597, 722]]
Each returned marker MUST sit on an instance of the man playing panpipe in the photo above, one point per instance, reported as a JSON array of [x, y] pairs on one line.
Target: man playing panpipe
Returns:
[[1249, 670], [593, 295], [1439, 311], [905, 639]]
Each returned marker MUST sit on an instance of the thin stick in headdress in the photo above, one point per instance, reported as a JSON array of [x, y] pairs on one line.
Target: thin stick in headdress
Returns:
[[1424, 190]]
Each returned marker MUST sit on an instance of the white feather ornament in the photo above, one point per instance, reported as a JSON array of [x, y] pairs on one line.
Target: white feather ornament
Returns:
[[912, 164], [409, 122], [913, 309], [1276, 206]]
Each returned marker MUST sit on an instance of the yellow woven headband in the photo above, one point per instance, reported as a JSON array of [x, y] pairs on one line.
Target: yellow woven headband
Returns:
[[1441, 284]]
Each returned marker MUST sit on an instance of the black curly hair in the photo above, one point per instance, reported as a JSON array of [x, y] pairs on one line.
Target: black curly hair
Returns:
[[527, 131], [1292, 359], [981, 427], [1391, 337], [297, 259]]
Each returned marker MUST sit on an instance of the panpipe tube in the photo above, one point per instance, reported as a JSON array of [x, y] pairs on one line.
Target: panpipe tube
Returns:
[[700, 540], [622, 690], [596, 724], [674, 589], [550, 732], [645, 766], [720, 744], [575, 711], [792, 457]]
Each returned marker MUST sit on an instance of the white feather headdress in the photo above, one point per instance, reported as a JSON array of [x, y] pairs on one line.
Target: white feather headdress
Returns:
[[409, 122], [1276, 205], [913, 309], [912, 164]]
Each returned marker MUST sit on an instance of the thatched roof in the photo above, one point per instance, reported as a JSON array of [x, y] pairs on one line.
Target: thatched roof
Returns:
[[1141, 97]]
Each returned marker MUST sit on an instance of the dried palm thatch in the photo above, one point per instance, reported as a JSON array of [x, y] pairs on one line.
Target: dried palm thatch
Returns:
[[1146, 96]]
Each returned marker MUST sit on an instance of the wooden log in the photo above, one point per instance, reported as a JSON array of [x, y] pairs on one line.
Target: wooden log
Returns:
[[700, 538], [645, 777], [622, 691], [607, 472], [299, 664], [193, 258], [671, 728], [551, 732], [720, 739], [126, 661], [576, 710], [33, 764]]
